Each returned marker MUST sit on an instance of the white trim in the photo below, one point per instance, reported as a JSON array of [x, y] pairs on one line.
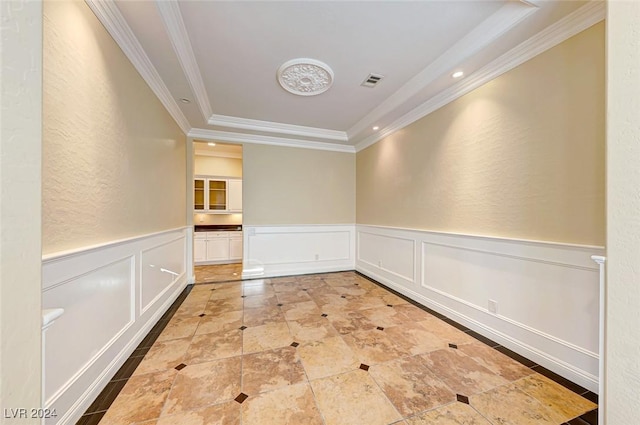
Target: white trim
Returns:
[[47, 258], [109, 15], [226, 136], [480, 37], [282, 250], [177, 32], [277, 127], [583, 18], [601, 260]]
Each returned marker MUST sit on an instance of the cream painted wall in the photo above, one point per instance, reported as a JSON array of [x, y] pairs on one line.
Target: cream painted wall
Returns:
[[114, 160], [285, 185], [520, 157], [216, 166], [220, 167], [20, 249], [622, 383]]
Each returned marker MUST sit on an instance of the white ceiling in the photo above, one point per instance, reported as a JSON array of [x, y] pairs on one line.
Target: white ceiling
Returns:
[[223, 57]]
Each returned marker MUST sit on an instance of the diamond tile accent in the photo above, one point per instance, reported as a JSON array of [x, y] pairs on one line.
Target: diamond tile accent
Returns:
[[280, 305], [389, 305], [342, 296], [202, 315], [294, 344], [241, 398], [243, 327], [453, 346], [462, 398], [364, 366], [380, 328], [243, 296], [180, 366], [324, 314]]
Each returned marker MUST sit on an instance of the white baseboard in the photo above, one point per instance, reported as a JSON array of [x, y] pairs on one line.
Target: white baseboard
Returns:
[[112, 294], [547, 293], [297, 249]]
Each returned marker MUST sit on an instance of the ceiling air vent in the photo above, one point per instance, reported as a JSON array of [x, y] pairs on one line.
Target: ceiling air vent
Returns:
[[372, 80]]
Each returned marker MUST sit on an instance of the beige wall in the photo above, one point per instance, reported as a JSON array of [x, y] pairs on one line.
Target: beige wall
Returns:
[[216, 166], [622, 357], [284, 185], [219, 167], [520, 157], [114, 159], [20, 163]]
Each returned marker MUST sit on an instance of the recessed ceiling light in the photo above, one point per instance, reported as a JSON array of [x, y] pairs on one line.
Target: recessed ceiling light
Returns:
[[376, 128], [211, 144], [185, 100], [457, 74]]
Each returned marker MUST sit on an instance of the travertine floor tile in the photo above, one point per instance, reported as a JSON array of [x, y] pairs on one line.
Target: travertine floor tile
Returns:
[[204, 384], [218, 272], [293, 297], [451, 414], [224, 305], [163, 355], [213, 346], [347, 321], [373, 346], [327, 357], [411, 386], [353, 398], [220, 322], [384, 316], [260, 301], [494, 360], [141, 399], [509, 405], [311, 329], [291, 405], [461, 373], [303, 310], [266, 337], [446, 332], [414, 338], [564, 404], [221, 414], [270, 370], [180, 327], [262, 316]]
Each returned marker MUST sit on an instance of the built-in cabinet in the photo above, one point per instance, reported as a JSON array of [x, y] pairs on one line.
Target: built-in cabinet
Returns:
[[216, 195], [217, 247]]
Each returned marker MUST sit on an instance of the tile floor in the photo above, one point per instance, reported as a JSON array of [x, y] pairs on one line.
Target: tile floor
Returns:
[[218, 273], [328, 349]]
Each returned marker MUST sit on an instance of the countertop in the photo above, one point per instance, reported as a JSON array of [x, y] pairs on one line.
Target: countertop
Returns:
[[218, 227]]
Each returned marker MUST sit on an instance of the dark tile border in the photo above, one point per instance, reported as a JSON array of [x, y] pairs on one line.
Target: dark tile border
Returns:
[[99, 407]]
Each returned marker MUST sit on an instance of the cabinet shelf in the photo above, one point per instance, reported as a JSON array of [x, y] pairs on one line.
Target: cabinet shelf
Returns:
[[217, 195]]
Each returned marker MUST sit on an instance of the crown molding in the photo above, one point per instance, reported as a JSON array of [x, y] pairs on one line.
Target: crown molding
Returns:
[[227, 136], [177, 32], [572, 24], [111, 18], [496, 25], [200, 152], [276, 127]]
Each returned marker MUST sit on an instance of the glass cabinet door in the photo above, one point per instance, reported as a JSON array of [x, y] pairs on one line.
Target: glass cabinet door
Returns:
[[217, 195], [198, 194]]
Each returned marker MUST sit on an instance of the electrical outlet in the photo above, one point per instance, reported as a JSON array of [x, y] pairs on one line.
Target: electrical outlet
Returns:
[[493, 306]]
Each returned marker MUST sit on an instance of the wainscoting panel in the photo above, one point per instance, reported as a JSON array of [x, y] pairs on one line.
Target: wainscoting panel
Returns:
[[112, 294], [539, 299], [287, 250]]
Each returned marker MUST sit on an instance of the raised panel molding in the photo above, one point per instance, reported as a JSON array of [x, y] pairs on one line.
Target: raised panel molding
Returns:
[[538, 286], [100, 289], [297, 249]]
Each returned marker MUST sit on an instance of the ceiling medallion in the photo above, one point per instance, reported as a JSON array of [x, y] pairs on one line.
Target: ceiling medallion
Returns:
[[305, 77]]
